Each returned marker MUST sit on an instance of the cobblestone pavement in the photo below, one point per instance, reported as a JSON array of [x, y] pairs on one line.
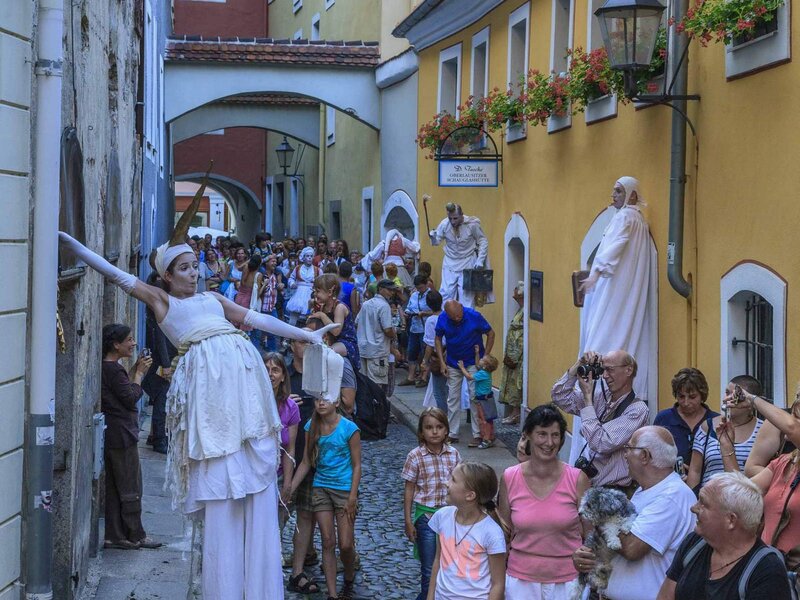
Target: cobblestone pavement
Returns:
[[388, 569]]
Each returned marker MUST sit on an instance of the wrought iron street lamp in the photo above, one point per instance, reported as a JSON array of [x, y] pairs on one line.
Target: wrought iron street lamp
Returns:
[[629, 29], [285, 154]]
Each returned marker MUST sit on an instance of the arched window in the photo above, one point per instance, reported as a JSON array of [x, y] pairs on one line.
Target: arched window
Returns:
[[753, 328], [71, 218]]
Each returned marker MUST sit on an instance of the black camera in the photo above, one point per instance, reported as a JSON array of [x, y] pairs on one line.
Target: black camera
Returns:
[[595, 369], [587, 466]]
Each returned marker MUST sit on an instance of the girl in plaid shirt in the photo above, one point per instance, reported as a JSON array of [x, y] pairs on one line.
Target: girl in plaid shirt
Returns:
[[426, 472]]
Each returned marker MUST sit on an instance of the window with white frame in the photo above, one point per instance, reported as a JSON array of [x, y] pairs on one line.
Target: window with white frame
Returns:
[[449, 80], [329, 3], [330, 125], [753, 328], [769, 45], [151, 101], [605, 106], [479, 76], [518, 41], [298, 35], [315, 27], [560, 43], [296, 5]]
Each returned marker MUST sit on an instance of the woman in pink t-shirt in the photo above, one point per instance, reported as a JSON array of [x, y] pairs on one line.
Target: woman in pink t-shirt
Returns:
[[539, 500]]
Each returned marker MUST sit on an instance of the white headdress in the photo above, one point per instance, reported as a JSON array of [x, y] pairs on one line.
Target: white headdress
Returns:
[[631, 184], [306, 252]]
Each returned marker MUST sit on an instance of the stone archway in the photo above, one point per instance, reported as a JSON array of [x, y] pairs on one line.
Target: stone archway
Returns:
[[400, 213]]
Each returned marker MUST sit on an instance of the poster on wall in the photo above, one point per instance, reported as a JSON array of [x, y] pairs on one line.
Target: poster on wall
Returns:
[[467, 173]]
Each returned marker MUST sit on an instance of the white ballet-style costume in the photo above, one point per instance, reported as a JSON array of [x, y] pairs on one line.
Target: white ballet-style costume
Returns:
[[301, 281], [222, 466]]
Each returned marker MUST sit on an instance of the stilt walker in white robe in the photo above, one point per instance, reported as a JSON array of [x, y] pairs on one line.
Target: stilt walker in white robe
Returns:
[[221, 470], [465, 247], [392, 250], [620, 309]]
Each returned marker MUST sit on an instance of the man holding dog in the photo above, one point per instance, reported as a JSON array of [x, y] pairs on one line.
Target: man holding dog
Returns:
[[664, 518], [599, 389]]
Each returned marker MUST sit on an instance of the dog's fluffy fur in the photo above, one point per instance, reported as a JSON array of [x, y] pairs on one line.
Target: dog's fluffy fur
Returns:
[[611, 513]]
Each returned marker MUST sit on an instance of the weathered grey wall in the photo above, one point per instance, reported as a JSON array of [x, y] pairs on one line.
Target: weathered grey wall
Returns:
[[101, 60]]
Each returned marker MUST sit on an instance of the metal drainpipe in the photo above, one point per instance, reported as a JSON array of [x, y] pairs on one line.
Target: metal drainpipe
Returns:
[[677, 178], [41, 417]]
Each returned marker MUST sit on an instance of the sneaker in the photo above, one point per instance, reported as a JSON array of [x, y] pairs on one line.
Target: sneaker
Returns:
[[485, 444]]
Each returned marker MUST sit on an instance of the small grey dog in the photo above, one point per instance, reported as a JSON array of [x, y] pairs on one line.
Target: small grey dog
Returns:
[[611, 513]]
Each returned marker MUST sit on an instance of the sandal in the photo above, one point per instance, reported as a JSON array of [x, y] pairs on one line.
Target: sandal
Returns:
[[309, 587], [121, 545], [476, 442], [348, 591], [485, 444]]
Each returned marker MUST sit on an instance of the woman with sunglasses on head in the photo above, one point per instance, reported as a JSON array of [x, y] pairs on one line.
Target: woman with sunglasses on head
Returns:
[[539, 501]]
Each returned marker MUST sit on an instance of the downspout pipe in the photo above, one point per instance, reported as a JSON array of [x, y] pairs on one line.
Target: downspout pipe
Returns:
[[41, 416], [677, 178]]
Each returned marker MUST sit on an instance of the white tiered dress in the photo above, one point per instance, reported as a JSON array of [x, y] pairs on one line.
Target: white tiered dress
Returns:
[[222, 466]]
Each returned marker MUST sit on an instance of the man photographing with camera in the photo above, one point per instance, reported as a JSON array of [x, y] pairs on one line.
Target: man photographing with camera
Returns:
[[599, 389]]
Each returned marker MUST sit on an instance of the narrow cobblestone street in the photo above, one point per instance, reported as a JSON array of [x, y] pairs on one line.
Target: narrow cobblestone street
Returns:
[[388, 568]]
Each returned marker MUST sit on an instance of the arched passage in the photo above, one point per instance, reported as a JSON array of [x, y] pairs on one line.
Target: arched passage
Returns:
[[516, 268], [339, 75], [300, 122], [400, 213], [244, 203]]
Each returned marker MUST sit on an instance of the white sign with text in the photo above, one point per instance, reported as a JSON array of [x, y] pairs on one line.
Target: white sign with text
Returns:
[[467, 173]]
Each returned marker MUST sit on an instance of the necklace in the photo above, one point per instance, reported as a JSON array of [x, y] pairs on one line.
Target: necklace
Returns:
[[455, 532], [728, 564], [745, 423]]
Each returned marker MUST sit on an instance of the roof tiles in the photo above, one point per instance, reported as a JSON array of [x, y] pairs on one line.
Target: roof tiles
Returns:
[[266, 50]]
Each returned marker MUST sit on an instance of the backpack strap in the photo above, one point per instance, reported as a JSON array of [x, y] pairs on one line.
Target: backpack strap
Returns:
[[693, 551], [757, 557]]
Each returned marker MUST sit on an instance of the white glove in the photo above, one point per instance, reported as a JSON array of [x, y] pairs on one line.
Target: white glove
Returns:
[[124, 280], [275, 326], [478, 264]]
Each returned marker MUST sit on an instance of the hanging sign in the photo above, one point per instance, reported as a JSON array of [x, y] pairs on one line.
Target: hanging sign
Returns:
[[467, 173]]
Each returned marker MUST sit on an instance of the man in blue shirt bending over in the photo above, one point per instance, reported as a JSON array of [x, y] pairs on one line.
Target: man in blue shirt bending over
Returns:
[[458, 331]]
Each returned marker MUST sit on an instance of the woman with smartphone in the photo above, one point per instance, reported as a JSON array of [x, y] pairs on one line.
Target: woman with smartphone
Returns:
[[727, 445], [120, 392]]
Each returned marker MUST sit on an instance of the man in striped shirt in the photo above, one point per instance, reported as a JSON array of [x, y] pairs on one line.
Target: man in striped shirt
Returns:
[[609, 413]]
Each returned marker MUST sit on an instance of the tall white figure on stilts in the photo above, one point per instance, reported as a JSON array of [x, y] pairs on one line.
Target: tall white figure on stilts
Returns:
[[220, 470], [465, 247], [620, 309]]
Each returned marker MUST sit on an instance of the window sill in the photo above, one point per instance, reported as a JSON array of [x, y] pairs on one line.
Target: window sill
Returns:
[[600, 109], [69, 277], [516, 132], [769, 50], [556, 124], [752, 42]]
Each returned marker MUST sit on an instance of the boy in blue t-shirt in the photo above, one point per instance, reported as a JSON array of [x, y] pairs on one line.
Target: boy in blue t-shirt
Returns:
[[487, 409]]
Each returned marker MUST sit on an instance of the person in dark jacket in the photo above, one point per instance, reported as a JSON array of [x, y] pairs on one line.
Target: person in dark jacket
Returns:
[[120, 392], [156, 381]]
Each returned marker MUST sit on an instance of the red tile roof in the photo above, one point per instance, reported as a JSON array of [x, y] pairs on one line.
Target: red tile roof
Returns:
[[267, 50]]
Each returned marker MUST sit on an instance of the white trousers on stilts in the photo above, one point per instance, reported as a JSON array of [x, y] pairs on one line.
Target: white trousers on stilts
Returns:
[[242, 548]]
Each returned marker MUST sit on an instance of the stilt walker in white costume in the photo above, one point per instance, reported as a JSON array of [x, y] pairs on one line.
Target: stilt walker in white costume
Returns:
[[392, 250], [220, 470], [621, 302], [465, 247]]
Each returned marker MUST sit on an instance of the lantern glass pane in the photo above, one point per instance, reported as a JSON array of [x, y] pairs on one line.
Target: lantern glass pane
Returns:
[[649, 21]]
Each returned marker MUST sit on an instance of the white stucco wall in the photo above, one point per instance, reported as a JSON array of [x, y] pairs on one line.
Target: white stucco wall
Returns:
[[16, 22], [398, 148]]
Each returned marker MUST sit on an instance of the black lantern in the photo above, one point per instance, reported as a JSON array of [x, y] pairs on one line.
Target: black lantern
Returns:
[[285, 154], [629, 29]]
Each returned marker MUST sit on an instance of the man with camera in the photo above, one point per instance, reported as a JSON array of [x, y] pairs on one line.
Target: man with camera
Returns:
[[599, 389]]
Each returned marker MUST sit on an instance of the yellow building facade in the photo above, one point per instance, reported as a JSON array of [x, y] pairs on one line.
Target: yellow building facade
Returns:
[[740, 209]]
